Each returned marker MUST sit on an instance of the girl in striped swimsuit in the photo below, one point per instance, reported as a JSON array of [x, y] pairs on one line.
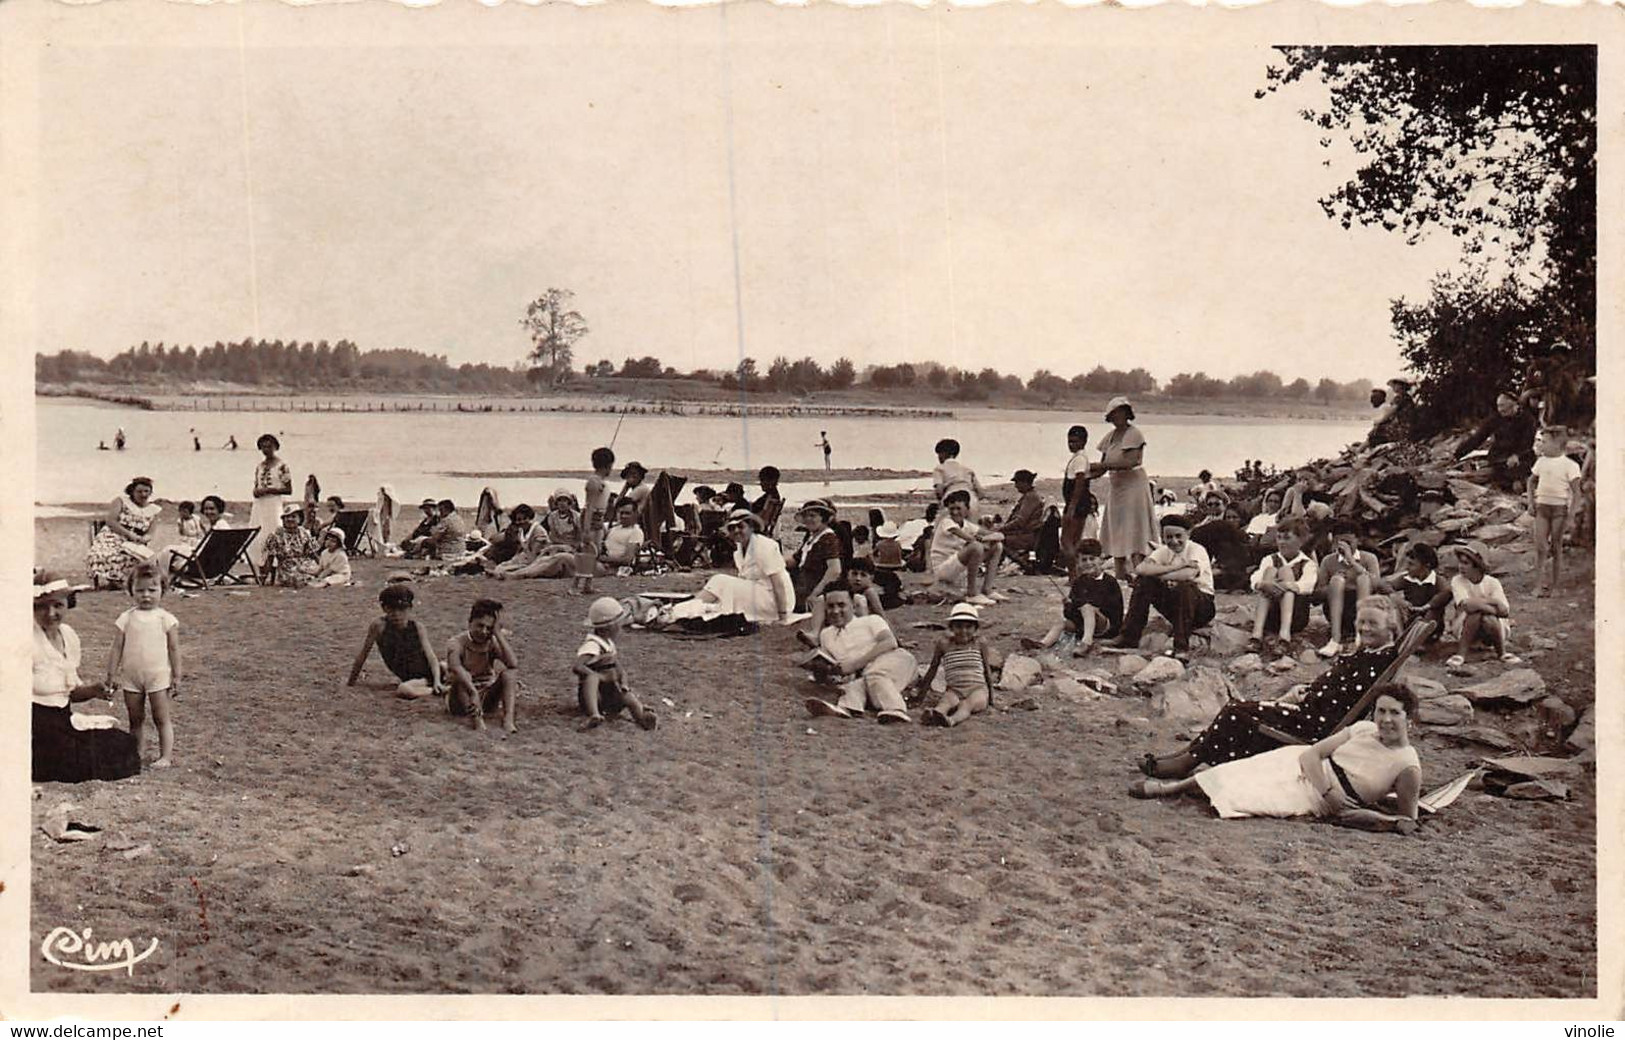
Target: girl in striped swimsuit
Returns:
[[965, 670]]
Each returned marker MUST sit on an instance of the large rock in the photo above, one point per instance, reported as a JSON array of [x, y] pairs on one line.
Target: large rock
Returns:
[[1425, 689], [1282, 665], [1226, 640], [1194, 700], [1246, 664], [1520, 686], [1130, 664], [1450, 710], [1156, 642], [1498, 534], [1019, 672], [1555, 714], [1161, 669], [1584, 737]]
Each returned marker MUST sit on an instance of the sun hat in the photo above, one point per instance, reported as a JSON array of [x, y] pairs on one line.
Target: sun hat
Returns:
[[605, 610], [634, 465], [1115, 403], [744, 516], [964, 612], [334, 532], [559, 493], [429, 503], [49, 583], [886, 530], [817, 505], [293, 509], [1478, 552]]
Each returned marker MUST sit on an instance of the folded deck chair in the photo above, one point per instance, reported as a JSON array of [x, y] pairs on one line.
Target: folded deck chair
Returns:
[[659, 512], [213, 560], [1414, 638], [381, 527], [354, 524]]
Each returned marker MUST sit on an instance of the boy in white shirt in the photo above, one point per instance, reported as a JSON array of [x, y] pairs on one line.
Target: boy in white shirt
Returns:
[[1481, 603], [1554, 491], [1285, 581], [1177, 579], [962, 550]]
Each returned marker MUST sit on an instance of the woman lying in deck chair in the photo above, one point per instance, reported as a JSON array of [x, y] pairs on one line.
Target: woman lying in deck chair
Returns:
[[1343, 778], [1332, 701]]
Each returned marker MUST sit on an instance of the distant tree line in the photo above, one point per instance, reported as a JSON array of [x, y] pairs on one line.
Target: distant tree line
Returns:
[[281, 364], [288, 364]]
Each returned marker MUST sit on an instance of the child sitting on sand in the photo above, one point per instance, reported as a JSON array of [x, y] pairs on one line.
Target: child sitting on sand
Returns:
[[333, 564], [594, 515], [1481, 604], [601, 686], [404, 645], [482, 668], [1554, 493], [188, 525], [1093, 607], [1417, 589], [146, 660], [966, 675], [1285, 582]]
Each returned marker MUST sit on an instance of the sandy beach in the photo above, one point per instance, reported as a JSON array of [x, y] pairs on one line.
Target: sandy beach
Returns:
[[318, 838]]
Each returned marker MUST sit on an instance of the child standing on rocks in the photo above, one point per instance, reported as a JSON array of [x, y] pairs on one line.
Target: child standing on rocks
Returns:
[[1554, 490]]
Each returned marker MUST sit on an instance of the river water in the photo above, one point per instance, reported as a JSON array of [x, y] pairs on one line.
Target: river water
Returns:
[[353, 453]]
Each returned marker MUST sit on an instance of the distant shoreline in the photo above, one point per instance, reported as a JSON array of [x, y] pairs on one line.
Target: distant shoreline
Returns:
[[650, 398]]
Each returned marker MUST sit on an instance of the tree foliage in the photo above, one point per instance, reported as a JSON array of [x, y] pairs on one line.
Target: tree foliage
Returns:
[[554, 330], [1496, 146]]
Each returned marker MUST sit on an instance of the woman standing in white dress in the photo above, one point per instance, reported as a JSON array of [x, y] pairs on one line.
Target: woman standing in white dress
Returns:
[[272, 484], [1341, 778]]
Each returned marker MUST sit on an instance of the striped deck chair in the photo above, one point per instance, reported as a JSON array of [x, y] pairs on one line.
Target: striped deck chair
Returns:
[[1414, 638], [214, 560]]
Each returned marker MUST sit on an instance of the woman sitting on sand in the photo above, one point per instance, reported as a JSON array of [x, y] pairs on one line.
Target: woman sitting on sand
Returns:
[[538, 555], [1340, 779], [760, 588], [817, 563], [68, 748], [563, 519], [122, 541], [1309, 714]]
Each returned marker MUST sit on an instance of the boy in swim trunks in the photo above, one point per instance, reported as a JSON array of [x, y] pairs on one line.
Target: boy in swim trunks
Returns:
[[404, 645], [482, 668]]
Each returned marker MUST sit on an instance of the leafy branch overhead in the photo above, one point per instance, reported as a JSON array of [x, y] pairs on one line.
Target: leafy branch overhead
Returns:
[[554, 330], [1496, 145]]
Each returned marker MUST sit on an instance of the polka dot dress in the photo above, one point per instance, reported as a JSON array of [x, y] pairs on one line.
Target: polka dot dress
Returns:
[[1234, 732]]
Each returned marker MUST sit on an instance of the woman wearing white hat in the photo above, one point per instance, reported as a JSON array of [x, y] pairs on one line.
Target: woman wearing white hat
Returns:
[[68, 748], [1128, 528], [759, 588]]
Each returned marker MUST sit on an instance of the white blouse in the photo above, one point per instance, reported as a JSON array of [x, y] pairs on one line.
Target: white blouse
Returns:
[[56, 672], [760, 560]]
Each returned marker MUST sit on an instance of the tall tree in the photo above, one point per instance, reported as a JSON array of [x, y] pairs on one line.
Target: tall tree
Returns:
[[1496, 145], [554, 330]]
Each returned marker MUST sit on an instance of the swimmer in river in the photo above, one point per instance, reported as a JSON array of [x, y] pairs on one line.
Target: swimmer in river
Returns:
[[102, 446]]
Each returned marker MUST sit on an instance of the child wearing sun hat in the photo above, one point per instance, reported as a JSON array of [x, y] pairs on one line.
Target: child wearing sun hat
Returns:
[[333, 563], [601, 686], [965, 670]]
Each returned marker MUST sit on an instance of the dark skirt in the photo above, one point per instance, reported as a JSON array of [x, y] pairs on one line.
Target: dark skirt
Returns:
[[66, 755], [1234, 734]]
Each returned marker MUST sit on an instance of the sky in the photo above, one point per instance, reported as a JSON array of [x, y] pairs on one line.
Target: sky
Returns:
[[968, 187]]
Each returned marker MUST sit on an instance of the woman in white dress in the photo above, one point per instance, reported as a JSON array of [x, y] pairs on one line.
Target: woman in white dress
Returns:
[[760, 588], [1341, 778], [272, 484]]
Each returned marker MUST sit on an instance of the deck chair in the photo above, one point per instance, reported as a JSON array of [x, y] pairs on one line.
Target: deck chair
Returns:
[[1414, 638], [355, 523], [659, 512], [213, 560]]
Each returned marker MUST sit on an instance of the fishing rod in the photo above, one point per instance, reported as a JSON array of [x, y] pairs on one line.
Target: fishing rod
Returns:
[[618, 422]]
